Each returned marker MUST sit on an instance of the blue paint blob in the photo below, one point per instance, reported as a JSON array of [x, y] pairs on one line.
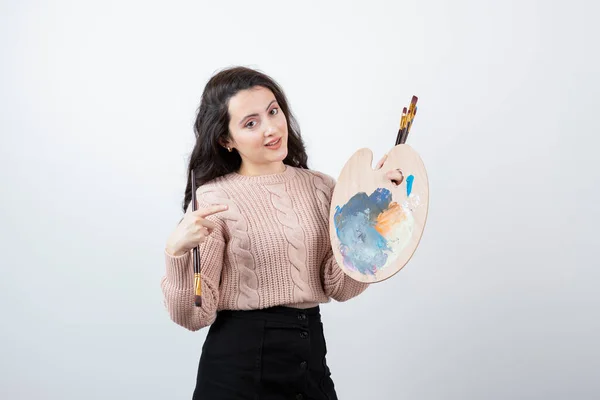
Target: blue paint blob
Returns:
[[409, 183], [362, 246]]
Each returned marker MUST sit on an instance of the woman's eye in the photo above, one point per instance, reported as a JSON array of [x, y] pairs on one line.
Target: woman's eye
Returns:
[[251, 124], [274, 111]]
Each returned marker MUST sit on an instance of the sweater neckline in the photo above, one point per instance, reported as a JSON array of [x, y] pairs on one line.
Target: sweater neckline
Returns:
[[278, 177]]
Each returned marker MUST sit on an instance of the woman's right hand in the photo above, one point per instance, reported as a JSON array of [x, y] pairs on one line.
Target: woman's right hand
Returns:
[[193, 229]]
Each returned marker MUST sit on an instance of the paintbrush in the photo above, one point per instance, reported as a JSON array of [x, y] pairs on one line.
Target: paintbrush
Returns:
[[400, 130], [197, 278], [412, 110]]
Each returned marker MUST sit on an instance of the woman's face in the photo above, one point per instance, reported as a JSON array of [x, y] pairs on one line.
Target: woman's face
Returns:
[[258, 130]]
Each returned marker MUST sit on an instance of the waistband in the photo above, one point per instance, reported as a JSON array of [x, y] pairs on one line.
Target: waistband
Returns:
[[276, 312]]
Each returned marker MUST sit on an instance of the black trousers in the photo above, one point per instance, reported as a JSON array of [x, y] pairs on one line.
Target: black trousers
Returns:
[[275, 353]]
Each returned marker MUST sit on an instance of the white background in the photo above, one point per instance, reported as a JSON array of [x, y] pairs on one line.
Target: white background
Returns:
[[97, 104]]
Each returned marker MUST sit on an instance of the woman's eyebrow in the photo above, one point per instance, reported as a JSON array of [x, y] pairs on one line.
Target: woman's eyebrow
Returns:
[[256, 115]]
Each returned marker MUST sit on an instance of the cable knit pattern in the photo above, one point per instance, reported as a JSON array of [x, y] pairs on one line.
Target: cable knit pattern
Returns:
[[243, 259], [271, 247], [295, 238], [323, 193]]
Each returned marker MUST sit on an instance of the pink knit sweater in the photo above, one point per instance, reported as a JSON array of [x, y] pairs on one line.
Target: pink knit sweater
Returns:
[[271, 247]]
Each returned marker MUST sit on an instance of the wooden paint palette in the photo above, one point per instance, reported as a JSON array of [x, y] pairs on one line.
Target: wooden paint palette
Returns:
[[375, 225]]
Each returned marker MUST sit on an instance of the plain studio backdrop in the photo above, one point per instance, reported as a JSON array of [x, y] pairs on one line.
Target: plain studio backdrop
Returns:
[[499, 301]]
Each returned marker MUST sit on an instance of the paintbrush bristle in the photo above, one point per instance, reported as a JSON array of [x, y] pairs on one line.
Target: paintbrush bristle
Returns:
[[198, 301]]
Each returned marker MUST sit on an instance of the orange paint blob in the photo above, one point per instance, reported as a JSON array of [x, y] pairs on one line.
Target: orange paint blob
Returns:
[[389, 218]]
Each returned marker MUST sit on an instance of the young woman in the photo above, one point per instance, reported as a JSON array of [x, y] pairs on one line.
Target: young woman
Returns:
[[262, 230]]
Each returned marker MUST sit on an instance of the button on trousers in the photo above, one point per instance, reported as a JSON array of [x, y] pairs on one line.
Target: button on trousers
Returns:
[[275, 353]]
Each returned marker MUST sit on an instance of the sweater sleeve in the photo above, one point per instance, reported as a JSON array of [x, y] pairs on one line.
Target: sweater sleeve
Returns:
[[178, 282], [336, 284]]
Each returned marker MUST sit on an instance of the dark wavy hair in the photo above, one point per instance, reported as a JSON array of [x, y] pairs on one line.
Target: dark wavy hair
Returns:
[[209, 159]]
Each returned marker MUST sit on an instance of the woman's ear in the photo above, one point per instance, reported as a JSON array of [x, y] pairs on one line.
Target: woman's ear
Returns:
[[225, 143]]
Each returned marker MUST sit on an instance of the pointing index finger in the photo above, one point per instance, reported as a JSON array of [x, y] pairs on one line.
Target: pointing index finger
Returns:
[[205, 212]]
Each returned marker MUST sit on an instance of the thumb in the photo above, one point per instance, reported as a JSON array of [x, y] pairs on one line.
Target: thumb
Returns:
[[380, 163]]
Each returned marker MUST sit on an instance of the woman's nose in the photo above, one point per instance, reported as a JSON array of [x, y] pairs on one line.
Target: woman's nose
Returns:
[[269, 129]]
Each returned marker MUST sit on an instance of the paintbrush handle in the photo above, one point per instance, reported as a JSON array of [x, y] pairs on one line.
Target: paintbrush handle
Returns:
[[398, 137], [406, 121], [196, 256]]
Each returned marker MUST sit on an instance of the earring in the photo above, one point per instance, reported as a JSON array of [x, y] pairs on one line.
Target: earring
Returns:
[[229, 149]]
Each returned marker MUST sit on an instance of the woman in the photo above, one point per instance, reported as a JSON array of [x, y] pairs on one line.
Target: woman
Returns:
[[262, 230]]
